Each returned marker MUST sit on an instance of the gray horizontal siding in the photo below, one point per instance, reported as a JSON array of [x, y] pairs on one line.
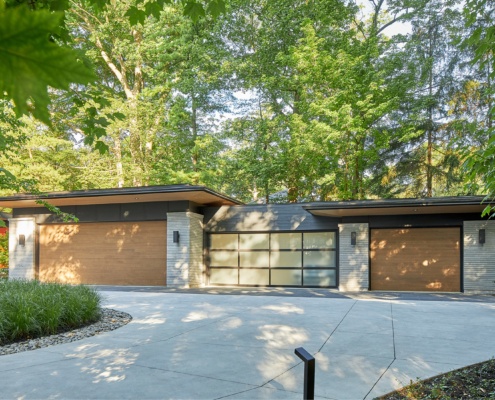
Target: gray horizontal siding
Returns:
[[479, 259], [152, 211], [279, 217]]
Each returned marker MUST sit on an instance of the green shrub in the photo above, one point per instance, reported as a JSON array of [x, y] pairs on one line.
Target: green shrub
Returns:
[[30, 309]]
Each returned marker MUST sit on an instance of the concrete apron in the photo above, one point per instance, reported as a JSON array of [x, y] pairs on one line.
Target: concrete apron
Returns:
[[200, 346]]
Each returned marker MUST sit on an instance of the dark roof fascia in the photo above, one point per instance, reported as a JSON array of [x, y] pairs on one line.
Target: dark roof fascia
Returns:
[[117, 192], [393, 203]]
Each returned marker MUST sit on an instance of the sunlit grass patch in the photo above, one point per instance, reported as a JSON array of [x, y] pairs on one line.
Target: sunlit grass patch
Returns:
[[30, 309]]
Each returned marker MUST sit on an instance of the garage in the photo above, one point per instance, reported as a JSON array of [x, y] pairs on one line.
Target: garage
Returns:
[[416, 259], [104, 253]]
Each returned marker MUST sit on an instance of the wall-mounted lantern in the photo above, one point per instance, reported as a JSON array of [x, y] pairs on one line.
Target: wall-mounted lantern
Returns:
[[481, 236], [176, 236], [22, 240], [353, 238]]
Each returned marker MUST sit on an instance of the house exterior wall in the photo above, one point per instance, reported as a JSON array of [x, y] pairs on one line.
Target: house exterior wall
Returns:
[[479, 259], [265, 218], [185, 259], [353, 260], [22, 258]]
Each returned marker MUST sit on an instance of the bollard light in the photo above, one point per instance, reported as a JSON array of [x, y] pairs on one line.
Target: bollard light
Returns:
[[309, 372]]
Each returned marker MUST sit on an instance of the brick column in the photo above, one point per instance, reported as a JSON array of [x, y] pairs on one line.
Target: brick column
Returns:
[[185, 259], [21, 258], [479, 259], [353, 260]]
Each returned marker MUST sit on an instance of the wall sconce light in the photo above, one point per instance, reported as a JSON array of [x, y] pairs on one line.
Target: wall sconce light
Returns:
[[176, 236], [353, 238], [481, 236], [22, 240]]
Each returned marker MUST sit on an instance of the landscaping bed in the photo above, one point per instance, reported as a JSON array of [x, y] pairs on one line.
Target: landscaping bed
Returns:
[[30, 309], [473, 382]]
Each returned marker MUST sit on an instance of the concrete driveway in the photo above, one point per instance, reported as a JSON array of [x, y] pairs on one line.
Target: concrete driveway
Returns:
[[203, 346]]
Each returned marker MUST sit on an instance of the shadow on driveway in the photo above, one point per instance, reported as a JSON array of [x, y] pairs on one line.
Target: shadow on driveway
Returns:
[[307, 292]]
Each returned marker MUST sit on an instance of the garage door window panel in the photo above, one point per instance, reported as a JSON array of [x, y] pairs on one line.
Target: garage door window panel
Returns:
[[285, 259], [320, 259], [223, 258], [254, 277], [286, 241], [254, 259], [322, 277], [286, 277], [224, 276]]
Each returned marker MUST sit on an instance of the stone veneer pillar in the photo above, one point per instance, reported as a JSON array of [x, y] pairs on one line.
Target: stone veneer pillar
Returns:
[[353, 260], [21, 258], [185, 259], [479, 259]]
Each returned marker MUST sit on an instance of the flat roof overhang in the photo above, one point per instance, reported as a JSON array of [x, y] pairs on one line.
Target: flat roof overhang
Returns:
[[361, 208], [197, 194]]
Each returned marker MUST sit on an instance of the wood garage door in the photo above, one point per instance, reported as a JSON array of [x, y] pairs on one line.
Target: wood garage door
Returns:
[[106, 253], [421, 259]]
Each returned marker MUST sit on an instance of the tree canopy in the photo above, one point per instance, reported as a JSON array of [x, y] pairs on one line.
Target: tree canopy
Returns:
[[273, 101]]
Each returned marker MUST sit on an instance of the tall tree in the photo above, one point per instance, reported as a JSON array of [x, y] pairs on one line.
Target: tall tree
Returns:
[[479, 162]]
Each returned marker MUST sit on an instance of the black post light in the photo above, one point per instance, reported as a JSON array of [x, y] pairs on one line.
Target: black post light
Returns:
[[176, 236], [309, 372]]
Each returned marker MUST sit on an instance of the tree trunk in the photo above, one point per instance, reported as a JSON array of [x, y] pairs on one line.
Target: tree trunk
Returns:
[[194, 125], [117, 148]]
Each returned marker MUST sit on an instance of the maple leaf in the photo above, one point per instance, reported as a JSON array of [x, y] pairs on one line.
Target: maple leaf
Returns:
[[30, 61]]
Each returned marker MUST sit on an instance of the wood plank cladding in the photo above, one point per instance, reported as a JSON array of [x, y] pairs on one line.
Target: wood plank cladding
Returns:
[[423, 259], [106, 253]]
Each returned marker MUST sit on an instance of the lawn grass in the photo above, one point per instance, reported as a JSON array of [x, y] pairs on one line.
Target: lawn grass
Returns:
[[473, 382], [30, 309]]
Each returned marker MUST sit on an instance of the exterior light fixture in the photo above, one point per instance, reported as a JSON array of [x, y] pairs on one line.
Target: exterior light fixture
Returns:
[[481, 236], [353, 238], [22, 240], [176, 236]]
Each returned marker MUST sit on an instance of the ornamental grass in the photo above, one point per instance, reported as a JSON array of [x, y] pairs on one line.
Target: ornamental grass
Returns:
[[30, 309]]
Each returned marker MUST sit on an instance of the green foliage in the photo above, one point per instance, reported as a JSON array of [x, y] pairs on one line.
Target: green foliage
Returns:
[[473, 382], [333, 107], [30, 61], [479, 161], [32, 309]]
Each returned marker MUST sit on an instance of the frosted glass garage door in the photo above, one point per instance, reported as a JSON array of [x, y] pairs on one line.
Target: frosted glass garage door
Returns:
[[273, 259]]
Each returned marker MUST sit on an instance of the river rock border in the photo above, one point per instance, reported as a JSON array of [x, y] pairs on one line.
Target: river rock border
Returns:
[[110, 320]]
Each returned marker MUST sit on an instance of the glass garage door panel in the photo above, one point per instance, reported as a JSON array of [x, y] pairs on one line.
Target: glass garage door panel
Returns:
[[254, 277], [285, 259], [227, 241], [223, 258], [254, 259], [321, 277], [254, 241], [320, 259], [320, 240], [286, 241], [224, 276], [286, 277]]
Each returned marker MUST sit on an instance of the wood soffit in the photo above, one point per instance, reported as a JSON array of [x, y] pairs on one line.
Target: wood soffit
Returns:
[[397, 210], [201, 196]]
